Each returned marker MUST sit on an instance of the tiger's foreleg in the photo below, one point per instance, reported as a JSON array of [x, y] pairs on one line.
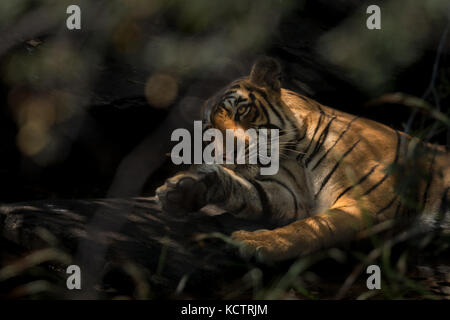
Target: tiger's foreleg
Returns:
[[210, 184], [302, 237]]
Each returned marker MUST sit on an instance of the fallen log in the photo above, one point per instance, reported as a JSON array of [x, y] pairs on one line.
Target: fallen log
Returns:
[[105, 237]]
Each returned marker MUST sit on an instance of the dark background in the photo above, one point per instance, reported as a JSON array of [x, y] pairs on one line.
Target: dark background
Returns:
[[88, 113]]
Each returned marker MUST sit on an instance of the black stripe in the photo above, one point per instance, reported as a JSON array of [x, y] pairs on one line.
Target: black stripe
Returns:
[[286, 187], [358, 183], [228, 97], [443, 208], [431, 172], [228, 93], [236, 86], [265, 203], [444, 200], [269, 126], [325, 180], [386, 206], [300, 139], [264, 96], [376, 185], [223, 107], [323, 136], [239, 100], [397, 210], [282, 121], [291, 175], [292, 93], [319, 106], [297, 184], [335, 143], [254, 100], [301, 156], [297, 134], [255, 113]]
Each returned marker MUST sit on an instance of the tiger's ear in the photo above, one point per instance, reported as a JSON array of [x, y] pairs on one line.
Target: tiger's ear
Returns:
[[266, 72]]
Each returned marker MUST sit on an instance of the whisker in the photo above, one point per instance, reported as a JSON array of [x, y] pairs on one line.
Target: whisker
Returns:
[[294, 151]]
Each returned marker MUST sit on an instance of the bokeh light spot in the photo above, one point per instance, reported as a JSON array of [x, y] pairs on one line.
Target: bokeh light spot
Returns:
[[161, 90], [32, 138]]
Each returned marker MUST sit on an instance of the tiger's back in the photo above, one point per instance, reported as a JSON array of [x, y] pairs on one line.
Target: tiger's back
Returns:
[[355, 155]]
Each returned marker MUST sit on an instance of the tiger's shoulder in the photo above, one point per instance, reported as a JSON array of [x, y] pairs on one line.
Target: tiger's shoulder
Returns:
[[306, 106]]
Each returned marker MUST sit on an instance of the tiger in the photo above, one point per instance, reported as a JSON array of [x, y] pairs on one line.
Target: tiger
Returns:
[[339, 174]]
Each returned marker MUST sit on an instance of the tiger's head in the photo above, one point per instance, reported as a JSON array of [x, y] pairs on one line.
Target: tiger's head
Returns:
[[254, 102]]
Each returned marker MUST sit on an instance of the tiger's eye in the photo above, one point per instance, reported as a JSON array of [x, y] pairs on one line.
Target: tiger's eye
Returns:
[[242, 110]]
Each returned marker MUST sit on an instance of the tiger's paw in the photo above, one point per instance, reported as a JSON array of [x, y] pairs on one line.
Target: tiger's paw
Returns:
[[185, 192], [259, 245]]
